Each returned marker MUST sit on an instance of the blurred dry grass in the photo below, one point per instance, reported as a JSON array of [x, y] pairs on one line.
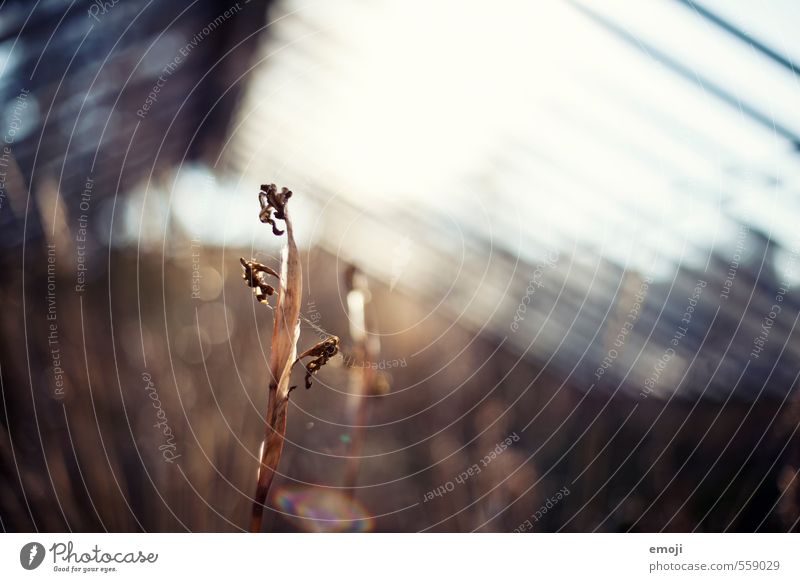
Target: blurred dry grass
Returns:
[[91, 462]]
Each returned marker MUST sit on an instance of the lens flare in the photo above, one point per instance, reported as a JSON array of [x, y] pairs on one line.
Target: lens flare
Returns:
[[316, 509]]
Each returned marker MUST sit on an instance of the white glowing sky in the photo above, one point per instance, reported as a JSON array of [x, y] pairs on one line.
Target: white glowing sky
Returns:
[[566, 134]]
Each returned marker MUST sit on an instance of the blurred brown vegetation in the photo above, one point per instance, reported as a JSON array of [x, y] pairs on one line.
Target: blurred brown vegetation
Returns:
[[90, 461]]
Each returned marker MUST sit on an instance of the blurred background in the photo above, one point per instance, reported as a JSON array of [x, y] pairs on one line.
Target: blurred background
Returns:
[[558, 241]]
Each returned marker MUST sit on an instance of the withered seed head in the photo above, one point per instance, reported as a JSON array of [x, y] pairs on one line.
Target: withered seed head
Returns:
[[272, 200], [254, 274], [321, 352]]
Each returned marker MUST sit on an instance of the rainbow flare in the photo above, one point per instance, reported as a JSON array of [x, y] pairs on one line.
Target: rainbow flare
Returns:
[[317, 509]]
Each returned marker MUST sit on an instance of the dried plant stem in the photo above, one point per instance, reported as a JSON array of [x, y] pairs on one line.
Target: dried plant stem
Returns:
[[357, 445], [363, 379], [270, 453], [285, 333]]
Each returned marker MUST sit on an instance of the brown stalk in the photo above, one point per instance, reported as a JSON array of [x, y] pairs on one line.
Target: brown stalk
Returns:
[[285, 333], [364, 380]]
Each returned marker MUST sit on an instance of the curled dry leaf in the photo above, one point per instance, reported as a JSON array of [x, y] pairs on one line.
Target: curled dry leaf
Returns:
[[255, 276], [321, 352], [273, 201]]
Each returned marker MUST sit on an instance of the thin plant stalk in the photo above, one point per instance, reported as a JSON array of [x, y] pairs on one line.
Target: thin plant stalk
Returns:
[[285, 333], [364, 380]]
